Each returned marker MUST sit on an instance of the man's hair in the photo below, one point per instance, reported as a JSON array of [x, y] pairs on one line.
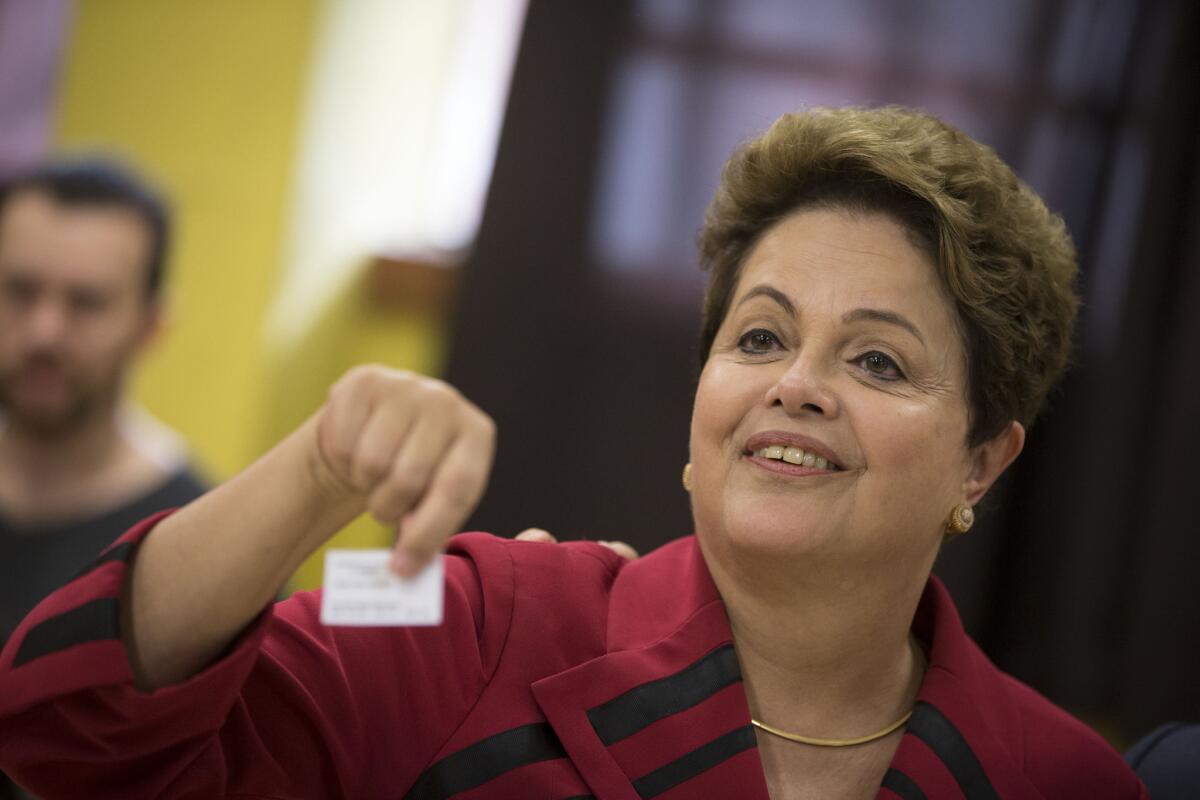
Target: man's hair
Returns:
[[102, 182], [1005, 261]]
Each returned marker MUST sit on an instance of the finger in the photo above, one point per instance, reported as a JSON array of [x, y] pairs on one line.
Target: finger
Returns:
[[411, 471], [536, 535], [383, 436], [456, 488], [340, 427], [622, 549]]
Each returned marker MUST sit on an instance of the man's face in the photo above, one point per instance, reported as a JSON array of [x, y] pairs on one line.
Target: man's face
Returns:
[[73, 309]]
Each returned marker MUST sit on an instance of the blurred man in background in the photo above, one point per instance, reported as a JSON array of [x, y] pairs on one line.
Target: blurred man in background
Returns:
[[82, 252]]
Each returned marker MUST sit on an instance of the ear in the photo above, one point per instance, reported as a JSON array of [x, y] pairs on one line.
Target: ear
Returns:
[[990, 459], [154, 320]]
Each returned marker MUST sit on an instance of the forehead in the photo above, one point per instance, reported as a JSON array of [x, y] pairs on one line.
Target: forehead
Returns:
[[92, 244], [842, 260]]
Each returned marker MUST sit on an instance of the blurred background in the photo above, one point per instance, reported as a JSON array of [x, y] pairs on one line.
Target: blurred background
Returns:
[[505, 193]]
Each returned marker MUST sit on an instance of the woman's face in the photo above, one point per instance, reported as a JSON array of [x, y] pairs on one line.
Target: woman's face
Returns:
[[839, 343]]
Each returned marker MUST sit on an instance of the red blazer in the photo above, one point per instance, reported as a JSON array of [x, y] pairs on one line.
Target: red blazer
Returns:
[[561, 671]]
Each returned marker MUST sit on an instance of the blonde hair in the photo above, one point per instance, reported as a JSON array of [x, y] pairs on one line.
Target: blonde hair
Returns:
[[1007, 262]]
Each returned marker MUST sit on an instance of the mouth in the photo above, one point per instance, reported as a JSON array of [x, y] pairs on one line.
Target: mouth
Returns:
[[797, 456], [40, 378], [791, 453], [39, 367]]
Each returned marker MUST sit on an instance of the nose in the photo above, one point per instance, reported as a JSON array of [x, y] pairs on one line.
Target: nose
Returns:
[[805, 388], [47, 323]]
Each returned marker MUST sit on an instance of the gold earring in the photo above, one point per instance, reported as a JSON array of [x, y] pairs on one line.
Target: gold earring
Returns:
[[687, 477], [962, 517]]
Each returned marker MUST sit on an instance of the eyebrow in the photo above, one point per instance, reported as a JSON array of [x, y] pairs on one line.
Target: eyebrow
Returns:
[[857, 315], [762, 290], [880, 315]]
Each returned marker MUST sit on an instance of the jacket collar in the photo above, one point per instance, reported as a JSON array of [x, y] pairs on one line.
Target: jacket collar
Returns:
[[966, 730], [665, 703]]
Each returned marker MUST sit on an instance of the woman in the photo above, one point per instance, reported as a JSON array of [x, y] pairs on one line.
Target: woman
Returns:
[[888, 307]]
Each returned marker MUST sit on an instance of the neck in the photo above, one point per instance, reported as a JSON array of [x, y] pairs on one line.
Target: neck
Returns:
[[83, 450], [88, 470], [824, 651]]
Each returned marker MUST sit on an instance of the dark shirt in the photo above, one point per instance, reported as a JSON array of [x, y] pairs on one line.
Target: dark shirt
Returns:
[[1168, 761], [35, 562]]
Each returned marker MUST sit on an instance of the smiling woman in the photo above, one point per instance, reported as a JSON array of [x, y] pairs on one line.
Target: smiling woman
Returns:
[[845, 366], [888, 307], [1006, 264], [840, 342]]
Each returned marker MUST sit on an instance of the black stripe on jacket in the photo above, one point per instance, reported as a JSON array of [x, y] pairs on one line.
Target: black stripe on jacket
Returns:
[[931, 726], [93, 621], [487, 759], [613, 720], [646, 704], [902, 785]]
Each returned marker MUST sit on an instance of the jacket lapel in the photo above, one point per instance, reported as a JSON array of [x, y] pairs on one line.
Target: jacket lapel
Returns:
[[665, 706], [964, 737]]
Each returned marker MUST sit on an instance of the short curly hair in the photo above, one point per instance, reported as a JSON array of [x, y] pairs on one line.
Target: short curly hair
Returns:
[[1007, 263], [101, 181]]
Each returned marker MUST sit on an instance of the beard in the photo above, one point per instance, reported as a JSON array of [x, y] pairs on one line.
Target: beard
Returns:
[[39, 418]]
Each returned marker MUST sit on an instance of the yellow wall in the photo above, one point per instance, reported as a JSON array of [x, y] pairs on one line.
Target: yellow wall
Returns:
[[206, 96]]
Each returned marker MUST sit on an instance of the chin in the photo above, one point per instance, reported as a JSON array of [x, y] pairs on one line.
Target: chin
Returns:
[[46, 421], [758, 530]]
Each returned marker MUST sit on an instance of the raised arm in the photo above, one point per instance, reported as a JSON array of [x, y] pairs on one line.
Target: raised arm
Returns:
[[408, 449]]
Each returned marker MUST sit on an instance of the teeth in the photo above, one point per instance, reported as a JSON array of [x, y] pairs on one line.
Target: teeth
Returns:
[[793, 455]]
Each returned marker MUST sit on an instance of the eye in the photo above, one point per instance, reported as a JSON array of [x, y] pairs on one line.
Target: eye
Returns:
[[19, 292], [88, 302], [758, 340], [880, 365]]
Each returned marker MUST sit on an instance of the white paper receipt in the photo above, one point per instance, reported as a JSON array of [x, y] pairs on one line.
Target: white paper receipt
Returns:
[[361, 590]]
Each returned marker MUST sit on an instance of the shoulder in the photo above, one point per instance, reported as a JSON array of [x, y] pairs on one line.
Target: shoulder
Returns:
[[1008, 725], [173, 490], [1168, 761], [187, 481], [1063, 756], [547, 581], [536, 566]]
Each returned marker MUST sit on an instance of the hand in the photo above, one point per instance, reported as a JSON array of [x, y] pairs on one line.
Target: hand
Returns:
[[539, 535], [413, 450]]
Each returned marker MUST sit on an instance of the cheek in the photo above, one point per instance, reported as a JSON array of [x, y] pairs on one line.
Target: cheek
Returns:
[[109, 336], [919, 448], [9, 331], [723, 397]]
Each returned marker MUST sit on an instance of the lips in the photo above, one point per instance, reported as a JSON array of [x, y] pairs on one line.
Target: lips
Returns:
[[38, 365], [40, 372], [795, 449], [39, 379]]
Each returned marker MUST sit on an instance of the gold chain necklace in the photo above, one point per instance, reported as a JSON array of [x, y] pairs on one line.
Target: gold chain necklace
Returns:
[[795, 737], [920, 658]]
